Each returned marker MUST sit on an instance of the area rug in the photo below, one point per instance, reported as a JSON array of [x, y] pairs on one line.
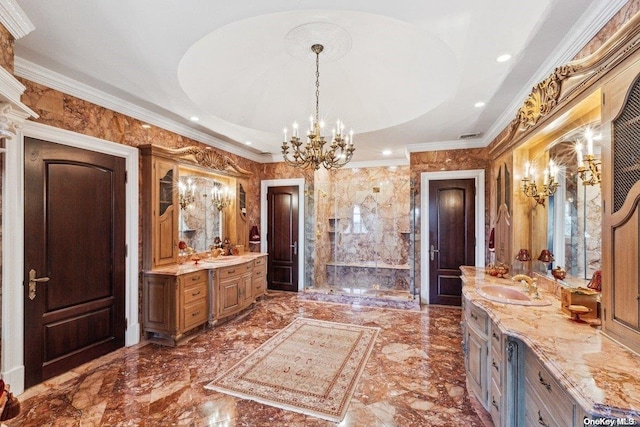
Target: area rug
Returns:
[[311, 367]]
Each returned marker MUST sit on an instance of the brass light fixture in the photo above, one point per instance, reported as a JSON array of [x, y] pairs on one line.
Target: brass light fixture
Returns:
[[186, 193], [220, 198], [588, 165], [549, 183], [313, 154]]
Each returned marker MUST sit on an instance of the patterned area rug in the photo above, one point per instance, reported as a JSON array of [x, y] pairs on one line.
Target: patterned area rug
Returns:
[[311, 366]]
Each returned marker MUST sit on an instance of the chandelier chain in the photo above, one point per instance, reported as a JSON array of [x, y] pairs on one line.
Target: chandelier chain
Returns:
[[317, 86]]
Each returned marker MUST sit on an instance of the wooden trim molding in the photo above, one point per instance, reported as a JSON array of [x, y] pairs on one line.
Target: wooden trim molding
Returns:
[[566, 83], [205, 157]]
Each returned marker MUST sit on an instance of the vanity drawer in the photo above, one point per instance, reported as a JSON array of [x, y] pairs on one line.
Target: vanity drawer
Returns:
[[195, 314], [556, 401], [495, 366], [236, 270], [496, 338], [495, 404], [537, 413], [191, 279], [195, 292], [477, 318], [260, 261], [259, 270]]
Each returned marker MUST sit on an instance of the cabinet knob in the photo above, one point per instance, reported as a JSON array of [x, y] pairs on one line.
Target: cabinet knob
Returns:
[[541, 420]]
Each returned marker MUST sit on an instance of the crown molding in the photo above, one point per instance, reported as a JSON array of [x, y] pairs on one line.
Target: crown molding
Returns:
[[44, 76], [14, 19], [456, 144], [592, 21]]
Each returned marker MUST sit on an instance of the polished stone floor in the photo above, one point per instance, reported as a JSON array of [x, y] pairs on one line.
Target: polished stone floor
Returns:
[[414, 377]]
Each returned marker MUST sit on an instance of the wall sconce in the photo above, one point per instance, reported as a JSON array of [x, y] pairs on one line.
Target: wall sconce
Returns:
[[588, 165], [546, 257], [549, 183], [524, 256], [186, 193], [220, 198]]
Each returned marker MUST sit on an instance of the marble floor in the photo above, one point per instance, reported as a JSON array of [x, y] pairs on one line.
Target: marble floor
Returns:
[[414, 376]]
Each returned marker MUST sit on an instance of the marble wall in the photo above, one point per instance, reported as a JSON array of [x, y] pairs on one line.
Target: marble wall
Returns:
[[362, 228], [7, 43]]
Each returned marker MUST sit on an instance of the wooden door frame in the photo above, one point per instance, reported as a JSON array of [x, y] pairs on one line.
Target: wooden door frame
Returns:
[[264, 187], [425, 177], [12, 356]]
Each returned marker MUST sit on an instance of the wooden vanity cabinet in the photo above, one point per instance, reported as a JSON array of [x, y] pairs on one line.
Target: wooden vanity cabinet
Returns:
[[476, 352], [173, 305], [159, 208], [233, 289], [259, 276], [621, 206], [546, 403]]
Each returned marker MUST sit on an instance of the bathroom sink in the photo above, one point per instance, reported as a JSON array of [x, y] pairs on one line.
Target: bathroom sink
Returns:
[[219, 259], [509, 295]]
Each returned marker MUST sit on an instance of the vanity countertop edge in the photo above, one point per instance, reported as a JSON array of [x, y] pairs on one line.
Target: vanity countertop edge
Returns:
[[602, 375], [204, 264]]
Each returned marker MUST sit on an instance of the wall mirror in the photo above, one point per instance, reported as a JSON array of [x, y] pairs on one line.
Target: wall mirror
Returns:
[[574, 216], [568, 221], [205, 201]]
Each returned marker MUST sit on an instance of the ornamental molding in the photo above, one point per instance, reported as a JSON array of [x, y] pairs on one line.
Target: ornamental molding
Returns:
[[208, 158], [566, 83], [14, 19], [12, 111]]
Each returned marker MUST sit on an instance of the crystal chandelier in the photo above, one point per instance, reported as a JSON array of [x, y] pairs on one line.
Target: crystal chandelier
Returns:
[[313, 154]]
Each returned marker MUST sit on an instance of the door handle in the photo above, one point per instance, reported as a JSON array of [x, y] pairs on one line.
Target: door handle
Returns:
[[32, 283], [295, 247], [432, 251]]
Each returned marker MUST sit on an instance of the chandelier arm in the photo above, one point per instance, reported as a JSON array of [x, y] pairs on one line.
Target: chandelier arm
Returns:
[[317, 86]]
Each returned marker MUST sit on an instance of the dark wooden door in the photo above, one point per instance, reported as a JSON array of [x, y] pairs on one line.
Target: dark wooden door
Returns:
[[451, 237], [74, 236], [282, 238]]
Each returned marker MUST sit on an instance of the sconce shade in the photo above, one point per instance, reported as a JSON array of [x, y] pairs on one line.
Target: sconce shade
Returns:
[[254, 234], [523, 255], [546, 256]]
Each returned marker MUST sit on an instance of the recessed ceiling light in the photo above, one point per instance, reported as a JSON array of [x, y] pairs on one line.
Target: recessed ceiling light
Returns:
[[479, 104], [145, 126], [503, 58], [386, 152], [248, 143], [194, 118]]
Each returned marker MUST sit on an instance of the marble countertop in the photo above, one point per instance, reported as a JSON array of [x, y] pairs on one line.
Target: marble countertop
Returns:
[[600, 374], [206, 264]]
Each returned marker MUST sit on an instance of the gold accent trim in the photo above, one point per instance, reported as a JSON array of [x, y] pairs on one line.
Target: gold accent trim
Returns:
[[566, 83], [209, 158]]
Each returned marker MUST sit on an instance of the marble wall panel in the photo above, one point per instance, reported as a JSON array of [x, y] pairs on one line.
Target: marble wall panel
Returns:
[[362, 223], [619, 19], [7, 43]]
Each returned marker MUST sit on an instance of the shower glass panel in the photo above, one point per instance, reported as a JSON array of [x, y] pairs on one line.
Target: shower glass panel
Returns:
[[363, 235]]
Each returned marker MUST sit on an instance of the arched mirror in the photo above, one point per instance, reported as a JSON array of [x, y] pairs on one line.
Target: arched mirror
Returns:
[[204, 199]]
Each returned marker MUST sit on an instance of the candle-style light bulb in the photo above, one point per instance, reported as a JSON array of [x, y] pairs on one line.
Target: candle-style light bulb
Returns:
[[295, 129], [588, 134], [351, 137], [285, 134], [579, 153], [527, 170]]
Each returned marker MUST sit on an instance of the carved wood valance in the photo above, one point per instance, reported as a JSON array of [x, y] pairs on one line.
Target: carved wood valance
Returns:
[[205, 157], [209, 158], [566, 83]]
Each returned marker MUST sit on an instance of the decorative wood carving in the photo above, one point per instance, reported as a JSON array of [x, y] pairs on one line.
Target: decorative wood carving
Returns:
[[209, 158], [566, 83]]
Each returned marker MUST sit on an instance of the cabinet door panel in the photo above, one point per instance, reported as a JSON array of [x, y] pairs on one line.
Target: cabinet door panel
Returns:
[[477, 365]]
